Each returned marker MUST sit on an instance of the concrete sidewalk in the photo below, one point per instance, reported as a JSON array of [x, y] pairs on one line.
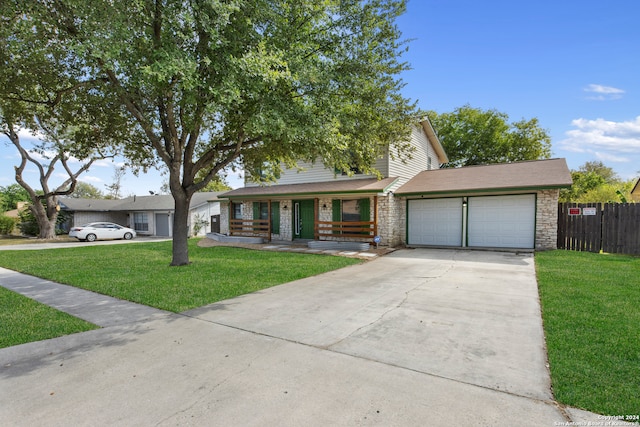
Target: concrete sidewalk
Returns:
[[418, 337], [98, 309]]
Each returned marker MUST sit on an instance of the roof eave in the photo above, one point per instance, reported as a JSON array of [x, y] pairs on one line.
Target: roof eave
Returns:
[[311, 193], [482, 190], [435, 141]]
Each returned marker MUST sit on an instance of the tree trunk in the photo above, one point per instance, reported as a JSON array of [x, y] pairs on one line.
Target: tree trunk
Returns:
[[180, 228], [46, 218]]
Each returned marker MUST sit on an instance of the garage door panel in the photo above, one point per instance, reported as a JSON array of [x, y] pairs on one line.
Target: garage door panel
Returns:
[[502, 221], [435, 222]]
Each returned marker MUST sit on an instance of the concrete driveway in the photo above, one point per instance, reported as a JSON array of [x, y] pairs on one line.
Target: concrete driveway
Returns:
[[418, 337]]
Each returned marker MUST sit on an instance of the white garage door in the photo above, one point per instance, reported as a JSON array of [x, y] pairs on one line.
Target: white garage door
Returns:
[[502, 221], [435, 222]]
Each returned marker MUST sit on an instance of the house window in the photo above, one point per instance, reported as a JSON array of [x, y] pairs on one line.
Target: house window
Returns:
[[236, 210], [261, 211], [140, 221], [429, 163], [351, 211]]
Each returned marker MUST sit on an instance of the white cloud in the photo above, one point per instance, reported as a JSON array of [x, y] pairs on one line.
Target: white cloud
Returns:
[[103, 163], [607, 140], [603, 93], [90, 179]]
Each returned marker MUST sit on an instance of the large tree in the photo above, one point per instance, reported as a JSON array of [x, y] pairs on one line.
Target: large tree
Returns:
[[213, 84], [472, 136], [45, 90]]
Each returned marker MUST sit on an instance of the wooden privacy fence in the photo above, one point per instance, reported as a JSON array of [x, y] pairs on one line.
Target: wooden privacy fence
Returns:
[[594, 227]]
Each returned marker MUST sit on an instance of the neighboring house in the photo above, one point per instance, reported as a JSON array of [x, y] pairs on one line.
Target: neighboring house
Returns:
[[415, 203], [635, 192], [148, 215], [15, 213]]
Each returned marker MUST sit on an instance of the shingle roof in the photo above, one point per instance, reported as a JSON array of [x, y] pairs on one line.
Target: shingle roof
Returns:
[[366, 185], [537, 174], [134, 203]]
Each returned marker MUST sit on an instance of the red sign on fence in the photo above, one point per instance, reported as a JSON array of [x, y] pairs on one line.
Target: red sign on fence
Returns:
[[574, 211]]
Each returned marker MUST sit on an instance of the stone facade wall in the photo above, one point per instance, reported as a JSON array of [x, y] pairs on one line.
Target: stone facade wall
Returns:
[[391, 220], [286, 232], [224, 217], [547, 220]]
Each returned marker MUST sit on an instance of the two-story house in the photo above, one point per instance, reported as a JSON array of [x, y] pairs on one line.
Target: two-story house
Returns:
[[414, 203], [315, 202]]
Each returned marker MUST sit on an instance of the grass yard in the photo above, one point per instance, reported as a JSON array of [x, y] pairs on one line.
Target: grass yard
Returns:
[[24, 320], [140, 272], [591, 312]]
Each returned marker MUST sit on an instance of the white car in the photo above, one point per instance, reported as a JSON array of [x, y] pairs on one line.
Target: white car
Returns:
[[102, 231]]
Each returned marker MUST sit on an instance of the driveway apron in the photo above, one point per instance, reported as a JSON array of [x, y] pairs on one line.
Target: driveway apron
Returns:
[[470, 316], [417, 337]]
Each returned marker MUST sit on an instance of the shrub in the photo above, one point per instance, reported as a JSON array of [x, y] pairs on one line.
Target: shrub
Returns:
[[7, 224]]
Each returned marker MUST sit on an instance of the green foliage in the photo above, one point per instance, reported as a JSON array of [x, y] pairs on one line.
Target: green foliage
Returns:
[[11, 195], [29, 226], [23, 320], [472, 136], [7, 224], [594, 182], [84, 190], [590, 310], [212, 85], [218, 183], [217, 273]]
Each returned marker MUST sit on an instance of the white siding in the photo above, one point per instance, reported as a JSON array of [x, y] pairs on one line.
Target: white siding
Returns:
[[318, 173], [204, 213], [419, 160], [387, 166]]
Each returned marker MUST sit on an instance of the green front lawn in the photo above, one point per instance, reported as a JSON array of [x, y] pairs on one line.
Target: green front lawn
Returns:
[[24, 320], [591, 312], [141, 273]]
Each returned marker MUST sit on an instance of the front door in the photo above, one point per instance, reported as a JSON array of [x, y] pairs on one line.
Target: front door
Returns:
[[303, 221]]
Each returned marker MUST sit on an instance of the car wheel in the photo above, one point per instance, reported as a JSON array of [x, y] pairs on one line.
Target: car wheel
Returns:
[[91, 237], [128, 236]]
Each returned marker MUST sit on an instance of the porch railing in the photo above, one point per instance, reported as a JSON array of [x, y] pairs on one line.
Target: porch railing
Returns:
[[250, 228], [365, 230]]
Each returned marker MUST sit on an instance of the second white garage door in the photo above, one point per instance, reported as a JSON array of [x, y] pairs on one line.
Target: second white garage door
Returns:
[[502, 221]]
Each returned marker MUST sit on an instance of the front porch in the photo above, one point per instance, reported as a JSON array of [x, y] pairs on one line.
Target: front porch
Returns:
[[315, 219]]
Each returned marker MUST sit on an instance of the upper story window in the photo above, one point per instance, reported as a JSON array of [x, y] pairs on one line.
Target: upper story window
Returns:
[[429, 163]]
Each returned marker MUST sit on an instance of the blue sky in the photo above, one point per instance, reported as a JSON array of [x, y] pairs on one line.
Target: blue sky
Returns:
[[574, 65]]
